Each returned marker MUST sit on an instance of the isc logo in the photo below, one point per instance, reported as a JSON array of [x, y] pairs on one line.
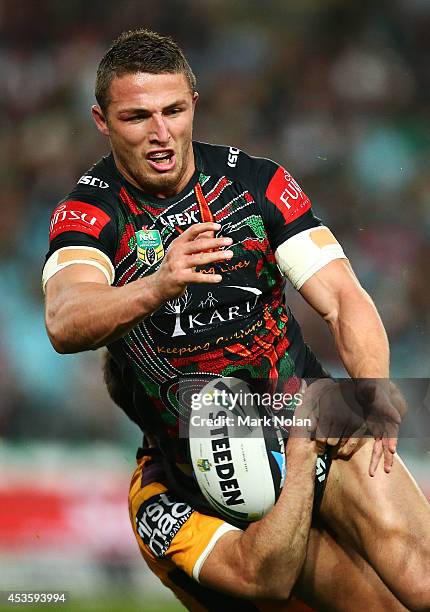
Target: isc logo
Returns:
[[233, 155], [87, 179]]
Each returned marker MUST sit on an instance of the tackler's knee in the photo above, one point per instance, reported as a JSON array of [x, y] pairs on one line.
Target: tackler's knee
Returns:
[[415, 586]]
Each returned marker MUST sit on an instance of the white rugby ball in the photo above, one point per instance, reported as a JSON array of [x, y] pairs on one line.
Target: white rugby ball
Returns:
[[237, 457]]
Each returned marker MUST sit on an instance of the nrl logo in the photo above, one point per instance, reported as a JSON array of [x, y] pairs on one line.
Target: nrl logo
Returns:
[[204, 465], [149, 246]]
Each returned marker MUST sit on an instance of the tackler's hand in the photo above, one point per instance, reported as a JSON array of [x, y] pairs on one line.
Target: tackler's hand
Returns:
[[334, 419], [383, 408]]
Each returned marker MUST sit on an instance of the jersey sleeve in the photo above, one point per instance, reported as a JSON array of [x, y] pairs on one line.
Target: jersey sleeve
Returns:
[[168, 529], [83, 229], [299, 241], [302, 245], [285, 208]]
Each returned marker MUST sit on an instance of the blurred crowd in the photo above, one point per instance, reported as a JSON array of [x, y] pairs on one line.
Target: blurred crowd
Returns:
[[336, 91]]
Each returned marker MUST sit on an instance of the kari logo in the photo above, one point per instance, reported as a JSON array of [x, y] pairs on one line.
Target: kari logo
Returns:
[[176, 307], [286, 194], [75, 216], [93, 181], [209, 312], [149, 246], [233, 156]]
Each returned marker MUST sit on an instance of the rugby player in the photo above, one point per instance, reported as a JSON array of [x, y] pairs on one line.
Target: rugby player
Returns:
[[173, 254]]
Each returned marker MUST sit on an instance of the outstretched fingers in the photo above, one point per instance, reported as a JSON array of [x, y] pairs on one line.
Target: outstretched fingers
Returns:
[[195, 230], [206, 244]]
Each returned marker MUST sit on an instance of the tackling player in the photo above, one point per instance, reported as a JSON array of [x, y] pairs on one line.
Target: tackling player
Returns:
[[172, 253]]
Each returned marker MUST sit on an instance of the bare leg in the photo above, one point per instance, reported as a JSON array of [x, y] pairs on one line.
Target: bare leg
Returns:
[[335, 578], [386, 519]]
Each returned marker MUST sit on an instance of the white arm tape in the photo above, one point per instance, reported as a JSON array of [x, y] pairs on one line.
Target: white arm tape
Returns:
[[222, 529], [67, 256], [301, 256]]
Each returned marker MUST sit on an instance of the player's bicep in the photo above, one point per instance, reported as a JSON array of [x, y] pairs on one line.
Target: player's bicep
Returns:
[[329, 286], [71, 265], [305, 253], [73, 275]]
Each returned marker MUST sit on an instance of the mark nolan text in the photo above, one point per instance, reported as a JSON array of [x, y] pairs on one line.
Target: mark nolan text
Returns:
[[248, 421]]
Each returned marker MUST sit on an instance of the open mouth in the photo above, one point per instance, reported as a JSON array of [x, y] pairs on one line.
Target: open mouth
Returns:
[[161, 160]]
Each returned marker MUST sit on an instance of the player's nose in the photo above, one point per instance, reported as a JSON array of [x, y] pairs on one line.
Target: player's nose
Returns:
[[159, 132]]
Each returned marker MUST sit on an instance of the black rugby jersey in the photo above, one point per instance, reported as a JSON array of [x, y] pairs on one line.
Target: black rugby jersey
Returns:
[[240, 326]]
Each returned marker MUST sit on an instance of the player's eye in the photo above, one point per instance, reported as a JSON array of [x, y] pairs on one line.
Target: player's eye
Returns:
[[135, 118], [138, 116], [174, 111]]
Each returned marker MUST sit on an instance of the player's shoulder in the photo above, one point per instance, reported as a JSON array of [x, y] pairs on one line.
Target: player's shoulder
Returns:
[[234, 163], [99, 185], [101, 176], [91, 204]]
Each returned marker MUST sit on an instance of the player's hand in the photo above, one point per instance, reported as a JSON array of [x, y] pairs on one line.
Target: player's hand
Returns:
[[188, 251], [383, 406], [333, 419], [300, 438]]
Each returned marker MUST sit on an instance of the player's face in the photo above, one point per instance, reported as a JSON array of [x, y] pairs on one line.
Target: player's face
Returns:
[[149, 121]]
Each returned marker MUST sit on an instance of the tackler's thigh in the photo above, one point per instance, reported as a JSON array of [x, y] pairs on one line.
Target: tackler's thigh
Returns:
[[385, 518]]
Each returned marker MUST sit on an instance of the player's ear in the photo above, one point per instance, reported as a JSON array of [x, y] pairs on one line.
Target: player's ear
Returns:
[[195, 98], [100, 119]]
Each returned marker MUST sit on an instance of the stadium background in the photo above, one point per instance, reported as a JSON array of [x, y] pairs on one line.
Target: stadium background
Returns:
[[336, 91]]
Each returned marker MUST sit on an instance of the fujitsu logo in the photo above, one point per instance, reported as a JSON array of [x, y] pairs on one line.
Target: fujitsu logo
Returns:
[[77, 216], [63, 213]]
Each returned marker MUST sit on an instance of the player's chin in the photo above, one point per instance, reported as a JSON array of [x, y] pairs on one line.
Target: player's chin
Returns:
[[160, 183]]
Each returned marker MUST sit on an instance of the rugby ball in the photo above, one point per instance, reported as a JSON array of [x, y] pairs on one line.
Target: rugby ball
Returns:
[[238, 457]]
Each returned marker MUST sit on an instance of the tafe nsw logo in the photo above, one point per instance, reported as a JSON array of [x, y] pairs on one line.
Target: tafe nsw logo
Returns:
[[233, 156], [149, 246], [87, 179], [159, 520]]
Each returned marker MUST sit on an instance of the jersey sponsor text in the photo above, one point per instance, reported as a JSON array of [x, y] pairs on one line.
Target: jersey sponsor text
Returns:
[[159, 520], [185, 218], [75, 216], [286, 194]]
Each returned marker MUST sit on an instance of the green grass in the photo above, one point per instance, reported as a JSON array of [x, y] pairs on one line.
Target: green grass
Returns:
[[101, 604]]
